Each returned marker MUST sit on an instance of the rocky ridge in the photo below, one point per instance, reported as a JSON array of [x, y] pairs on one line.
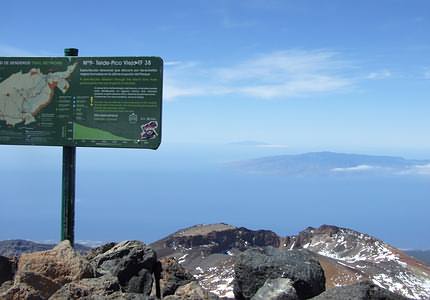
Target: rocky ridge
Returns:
[[220, 261], [365, 258], [208, 251], [346, 256]]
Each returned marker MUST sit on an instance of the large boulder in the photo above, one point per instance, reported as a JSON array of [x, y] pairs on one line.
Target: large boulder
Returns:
[[7, 269], [254, 266], [41, 274], [88, 287], [62, 264], [276, 289], [132, 262], [360, 291]]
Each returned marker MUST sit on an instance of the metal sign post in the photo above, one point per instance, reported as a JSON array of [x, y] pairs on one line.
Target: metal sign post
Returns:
[[68, 184], [71, 101]]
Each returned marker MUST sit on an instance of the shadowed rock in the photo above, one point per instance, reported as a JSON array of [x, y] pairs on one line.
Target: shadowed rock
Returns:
[[173, 275], [254, 266], [7, 269], [132, 262]]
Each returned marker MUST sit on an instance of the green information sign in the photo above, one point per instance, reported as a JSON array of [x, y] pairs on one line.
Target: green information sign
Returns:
[[81, 101]]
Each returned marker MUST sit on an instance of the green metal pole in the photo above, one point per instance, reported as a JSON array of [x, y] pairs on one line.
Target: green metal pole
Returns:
[[68, 184]]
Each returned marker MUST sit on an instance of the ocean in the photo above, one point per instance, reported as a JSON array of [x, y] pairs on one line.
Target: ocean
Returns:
[[146, 195]]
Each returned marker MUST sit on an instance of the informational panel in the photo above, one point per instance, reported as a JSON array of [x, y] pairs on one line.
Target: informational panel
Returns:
[[81, 101]]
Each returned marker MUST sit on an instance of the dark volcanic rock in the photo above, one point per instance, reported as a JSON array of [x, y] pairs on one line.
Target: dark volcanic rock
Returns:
[[276, 289], [173, 275], [305, 236], [254, 266], [7, 269], [132, 262], [359, 291], [216, 238]]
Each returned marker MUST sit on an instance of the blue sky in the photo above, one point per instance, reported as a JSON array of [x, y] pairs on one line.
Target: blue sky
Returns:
[[307, 74], [339, 75]]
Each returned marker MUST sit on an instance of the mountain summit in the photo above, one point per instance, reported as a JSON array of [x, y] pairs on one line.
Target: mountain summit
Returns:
[[220, 261], [348, 257]]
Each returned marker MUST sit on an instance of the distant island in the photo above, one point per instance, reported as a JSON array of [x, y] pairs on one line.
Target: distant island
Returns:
[[333, 164]]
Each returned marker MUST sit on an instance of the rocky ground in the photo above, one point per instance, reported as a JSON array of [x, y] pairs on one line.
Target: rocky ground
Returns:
[[215, 262]]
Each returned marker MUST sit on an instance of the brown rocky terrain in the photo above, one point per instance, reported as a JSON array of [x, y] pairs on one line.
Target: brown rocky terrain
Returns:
[[347, 257], [221, 261]]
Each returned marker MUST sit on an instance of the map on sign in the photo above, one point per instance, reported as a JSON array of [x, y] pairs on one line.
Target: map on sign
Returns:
[[81, 101], [23, 95]]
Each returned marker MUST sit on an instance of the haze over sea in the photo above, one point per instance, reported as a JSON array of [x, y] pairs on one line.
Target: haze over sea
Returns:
[[146, 195]]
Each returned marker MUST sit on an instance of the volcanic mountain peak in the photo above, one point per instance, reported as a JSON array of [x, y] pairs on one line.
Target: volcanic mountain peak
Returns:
[[202, 229], [341, 243], [216, 238], [347, 256], [369, 258], [207, 252]]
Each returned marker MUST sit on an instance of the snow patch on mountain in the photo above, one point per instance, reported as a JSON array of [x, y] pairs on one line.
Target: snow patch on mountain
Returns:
[[385, 265], [218, 280]]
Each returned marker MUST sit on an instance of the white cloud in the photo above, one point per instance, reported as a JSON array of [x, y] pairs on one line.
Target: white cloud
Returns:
[[282, 74], [416, 170], [359, 168], [296, 87], [172, 91], [283, 65], [427, 74], [423, 169], [383, 74], [172, 63]]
